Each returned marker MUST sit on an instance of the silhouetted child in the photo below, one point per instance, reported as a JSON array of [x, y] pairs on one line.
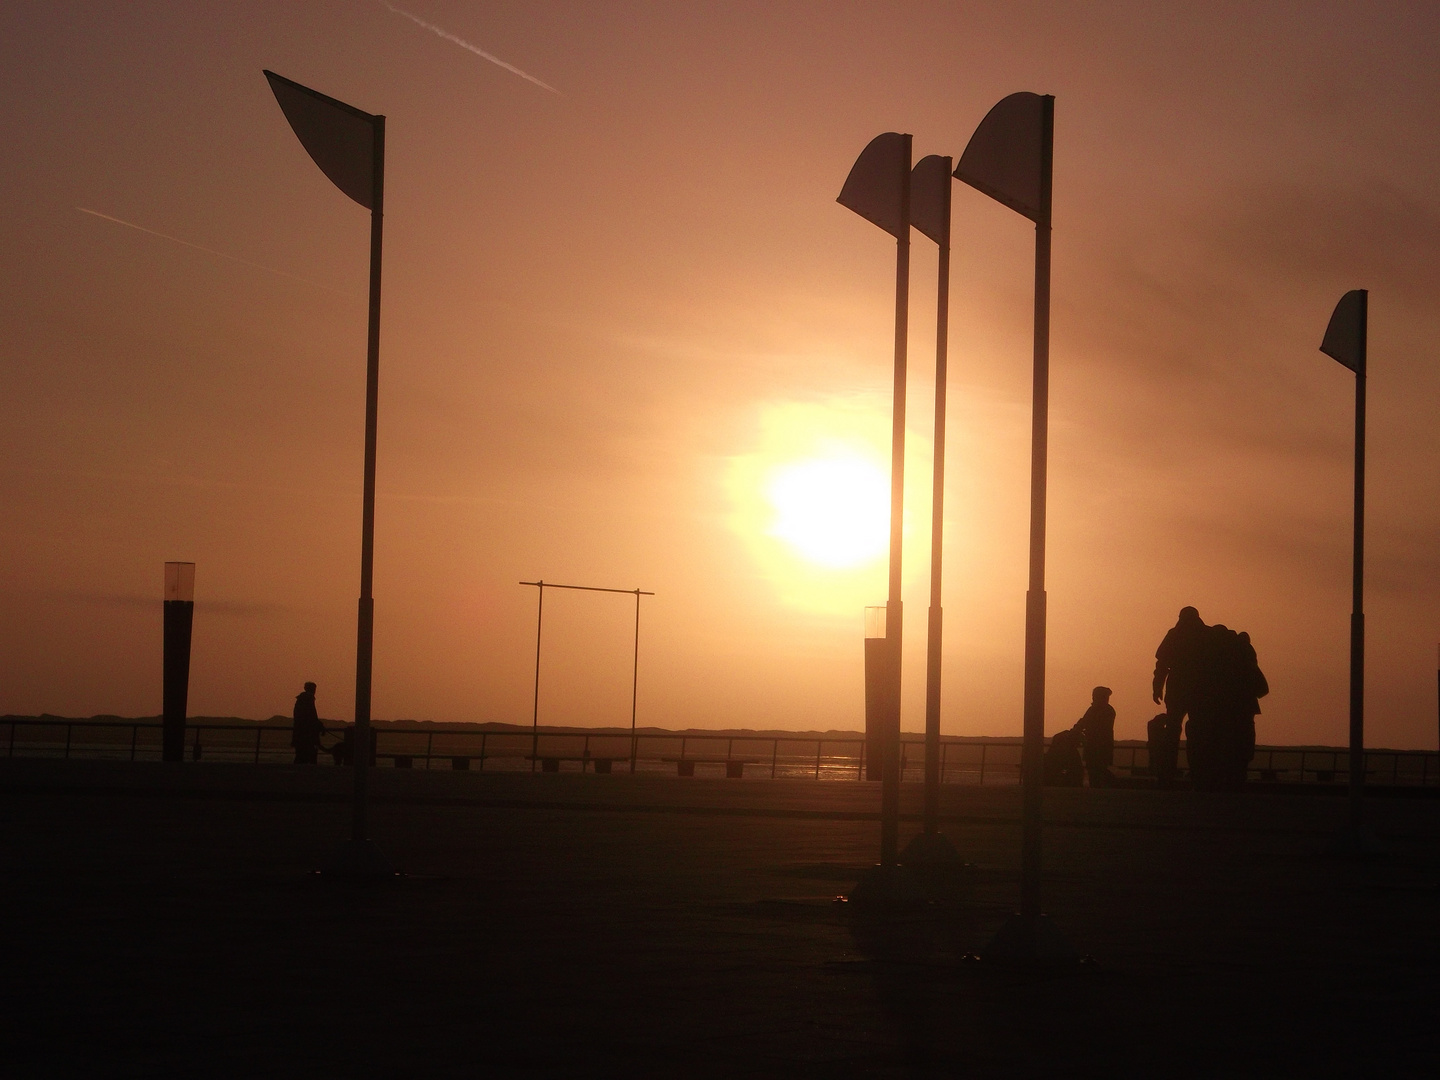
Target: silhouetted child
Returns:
[[1097, 733]]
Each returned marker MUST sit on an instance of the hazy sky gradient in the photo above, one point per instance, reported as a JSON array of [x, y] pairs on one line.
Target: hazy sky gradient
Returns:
[[609, 310]]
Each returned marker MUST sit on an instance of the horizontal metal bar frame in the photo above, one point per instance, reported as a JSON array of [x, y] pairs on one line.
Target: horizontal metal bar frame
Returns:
[[587, 588]]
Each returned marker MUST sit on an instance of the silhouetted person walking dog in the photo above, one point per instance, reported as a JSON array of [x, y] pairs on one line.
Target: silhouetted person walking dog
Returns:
[[1178, 673], [305, 736], [1097, 737]]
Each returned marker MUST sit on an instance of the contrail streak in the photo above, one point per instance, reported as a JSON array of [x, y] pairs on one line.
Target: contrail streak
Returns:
[[466, 45], [208, 251]]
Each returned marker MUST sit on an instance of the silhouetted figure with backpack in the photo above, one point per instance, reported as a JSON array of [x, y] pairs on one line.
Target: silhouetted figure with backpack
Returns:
[[305, 735], [1220, 737], [1178, 673], [1097, 737], [1251, 687]]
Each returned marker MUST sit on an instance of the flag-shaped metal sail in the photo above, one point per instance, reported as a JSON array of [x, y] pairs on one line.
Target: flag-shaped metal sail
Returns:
[[878, 189], [346, 143], [930, 215], [1346, 340], [1009, 158], [349, 147]]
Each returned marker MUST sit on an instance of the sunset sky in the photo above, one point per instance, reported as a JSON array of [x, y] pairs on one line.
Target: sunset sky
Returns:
[[630, 340]]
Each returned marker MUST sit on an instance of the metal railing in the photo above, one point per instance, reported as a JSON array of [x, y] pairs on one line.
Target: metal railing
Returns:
[[962, 760]]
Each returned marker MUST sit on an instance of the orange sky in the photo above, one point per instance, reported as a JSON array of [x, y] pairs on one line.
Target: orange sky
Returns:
[[615, 314]]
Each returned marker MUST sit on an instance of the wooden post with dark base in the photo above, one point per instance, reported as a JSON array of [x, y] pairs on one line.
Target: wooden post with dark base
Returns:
[[179, 620]]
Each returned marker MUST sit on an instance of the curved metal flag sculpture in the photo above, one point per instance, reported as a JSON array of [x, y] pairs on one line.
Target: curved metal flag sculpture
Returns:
[[1009, 158], [349, 147], [930, 215], [1346, 341], [878, 189]]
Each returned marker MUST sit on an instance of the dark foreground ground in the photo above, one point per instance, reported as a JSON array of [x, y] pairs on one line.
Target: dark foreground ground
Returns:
[[163, 921]]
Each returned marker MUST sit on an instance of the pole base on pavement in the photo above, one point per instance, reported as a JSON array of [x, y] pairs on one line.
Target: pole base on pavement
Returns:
[[937, 867], [1033, 940], [888, 887], [358, 861], [927, 850], [1355, 842]]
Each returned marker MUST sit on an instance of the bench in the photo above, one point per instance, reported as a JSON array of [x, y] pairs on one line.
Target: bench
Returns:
[[551, 762], [734, 767], [407, 761]]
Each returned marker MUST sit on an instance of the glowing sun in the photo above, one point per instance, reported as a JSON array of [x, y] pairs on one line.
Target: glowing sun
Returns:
[[832, 510]]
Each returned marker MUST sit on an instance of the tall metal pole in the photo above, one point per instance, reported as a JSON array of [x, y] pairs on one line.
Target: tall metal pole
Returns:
[[890, 776], [365, 635], [1357, 608], [635, 682], [535, 712], [937, 532], [1032, 765]]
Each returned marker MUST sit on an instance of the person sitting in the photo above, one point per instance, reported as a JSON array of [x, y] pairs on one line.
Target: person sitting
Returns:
[[1097, 733], [1062, 763]]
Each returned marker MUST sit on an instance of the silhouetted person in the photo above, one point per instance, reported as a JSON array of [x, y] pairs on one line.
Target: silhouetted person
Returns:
[[1244, 703], [1062, 764], [1097, 736], [1221, 732], [1178, 663], [305, 736]]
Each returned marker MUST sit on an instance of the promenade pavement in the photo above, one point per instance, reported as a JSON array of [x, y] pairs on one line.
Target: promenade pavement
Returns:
[[165, 920]]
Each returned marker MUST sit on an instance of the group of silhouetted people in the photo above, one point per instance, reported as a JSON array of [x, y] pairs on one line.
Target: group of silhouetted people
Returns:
[[1209, 679], [1211, 675]]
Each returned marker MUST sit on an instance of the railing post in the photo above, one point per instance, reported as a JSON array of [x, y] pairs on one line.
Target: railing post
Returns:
[[483, 736], [860, 769], [259, 731], [774, 757], [944, 750], [429, 746], [12, 740], [983, 748], [585, 754], [67, 741], [817, 759]]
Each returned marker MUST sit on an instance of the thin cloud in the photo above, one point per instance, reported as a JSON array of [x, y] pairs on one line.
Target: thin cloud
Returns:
[[208, 251], [439, 32]]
